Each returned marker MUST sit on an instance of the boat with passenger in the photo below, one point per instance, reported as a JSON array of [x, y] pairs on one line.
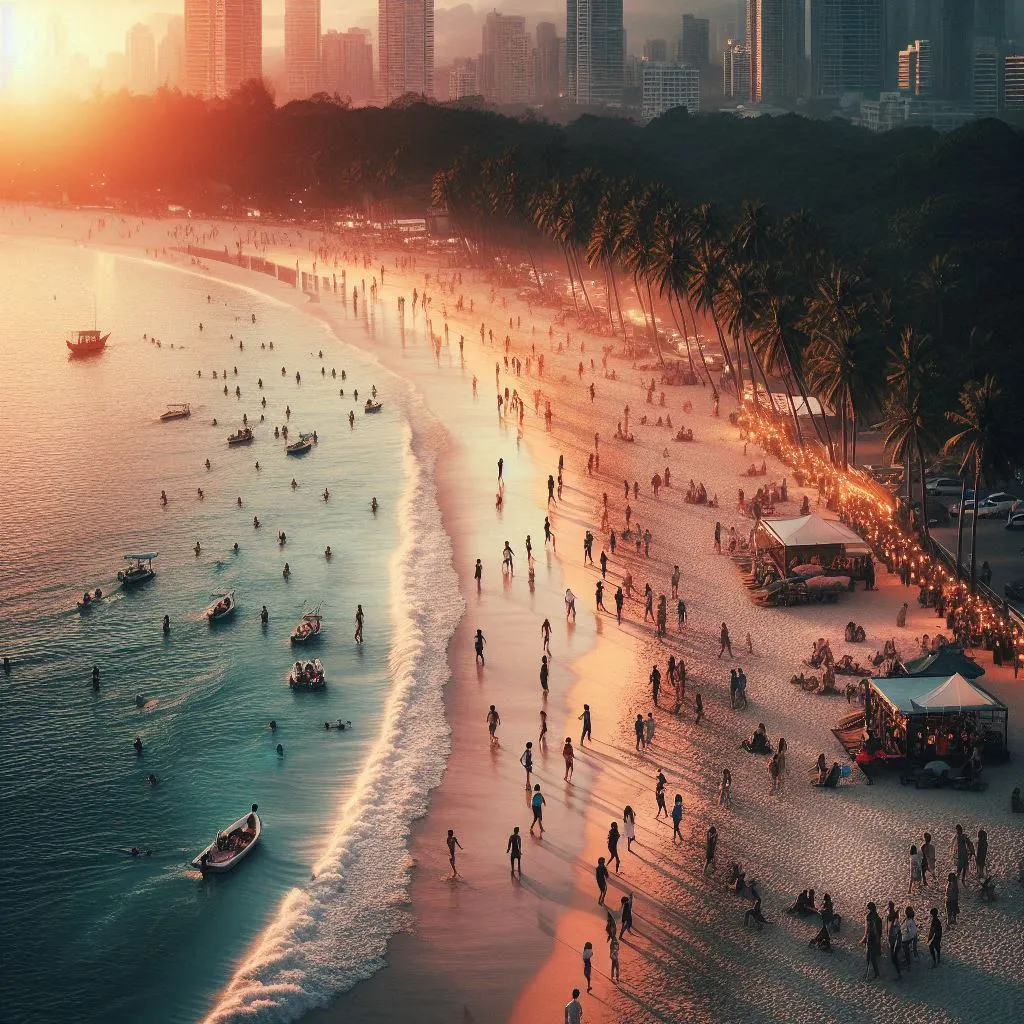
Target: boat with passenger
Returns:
[[372, 406], [243, 435], [87, 343], [222, 608], [89, 599], [177, 411], [140, 570], [300, 446], [232, 845], [308, 627], [307, 675]]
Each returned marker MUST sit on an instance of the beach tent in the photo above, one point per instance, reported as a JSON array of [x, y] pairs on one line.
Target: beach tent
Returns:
[[923, 717], [792, 541], [945, 661]]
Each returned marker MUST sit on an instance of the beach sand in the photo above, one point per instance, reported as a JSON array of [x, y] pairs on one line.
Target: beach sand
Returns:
[[488, 948]]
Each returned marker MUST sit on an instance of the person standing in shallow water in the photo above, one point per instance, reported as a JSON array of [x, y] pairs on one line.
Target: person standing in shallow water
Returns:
[[585, 718], [478, 644], [515, 852], [544, 675], [452, 842], [359, 624]]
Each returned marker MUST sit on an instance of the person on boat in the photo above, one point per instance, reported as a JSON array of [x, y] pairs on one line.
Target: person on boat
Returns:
[[264, 615], [287, 571], [137, 745], [327, 552], [250, 822], [167, 624]]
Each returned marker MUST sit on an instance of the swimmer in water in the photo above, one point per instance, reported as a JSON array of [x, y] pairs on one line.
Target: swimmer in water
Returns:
[[197, 549], [152, 780], [163, 497], [207, 463], [273, 725], [255, 523], [327, 494], [239, 501], [327, 553], [264, 616], [280, 750], [95, 676], [167, 624], [294, 484], [137, 745], [236, 547], [257, 467], [287, 571], [374, 505]]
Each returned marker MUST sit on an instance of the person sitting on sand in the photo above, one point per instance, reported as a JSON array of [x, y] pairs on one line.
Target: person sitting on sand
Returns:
[[754, 914], [804, 904], [758, 743]]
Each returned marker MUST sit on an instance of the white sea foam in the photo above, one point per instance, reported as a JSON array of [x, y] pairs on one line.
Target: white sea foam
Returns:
[[333, 932]]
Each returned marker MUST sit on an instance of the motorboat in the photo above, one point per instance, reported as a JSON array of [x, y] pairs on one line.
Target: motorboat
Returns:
[[140, 570], [178, 411], [307, 675], [87, 343], [89, 599], [231, 846], [308, 627], [222, 608], [243, 435], [300, 446], [372, 406]]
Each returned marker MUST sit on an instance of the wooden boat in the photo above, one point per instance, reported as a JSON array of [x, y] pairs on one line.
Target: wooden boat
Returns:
[[87, 343], [301, 446], [307, 675], [178, 411], [222, 608], [140, 570], [372, 406], [231, 846], [243, 435], [308, 627]]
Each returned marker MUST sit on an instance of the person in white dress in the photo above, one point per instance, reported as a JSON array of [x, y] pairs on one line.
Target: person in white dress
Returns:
[[629, 826]]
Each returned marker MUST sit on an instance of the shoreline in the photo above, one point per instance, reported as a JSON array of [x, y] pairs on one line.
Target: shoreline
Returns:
[[683, 919]]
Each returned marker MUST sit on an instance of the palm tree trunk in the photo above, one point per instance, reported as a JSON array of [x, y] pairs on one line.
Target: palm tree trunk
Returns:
[[726, 354], [792, 409], [924, 492], [853, 413], [700, 347], [960, 527], [681, 327], [974, 529], [615, 292], [572, 280]]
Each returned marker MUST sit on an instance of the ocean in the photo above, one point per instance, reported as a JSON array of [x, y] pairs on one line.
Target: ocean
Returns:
[[90, 931]]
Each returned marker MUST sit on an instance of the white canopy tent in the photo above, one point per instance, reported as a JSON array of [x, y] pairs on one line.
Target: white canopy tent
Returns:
[[813, 531], [955, 694]]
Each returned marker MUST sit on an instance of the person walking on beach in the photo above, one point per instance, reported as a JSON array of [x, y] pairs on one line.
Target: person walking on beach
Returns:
[[648, 603], [526, 760], [655, 683], [537, 802], [359, 624], [588, 548], [952, 899], [604, 564], [698, 703], [478, 574], [515, 852], [541, 739], [620, 599], [452, 842], [680, 615], [613, 953], [629, 826], [677, 818], [915, 869], [927, 859], [601, 874], [570, 604], [613, 845], [960, 850], [981, 853], [549, 537], [872, 938], [726, 642], [585, 718], [675, 582], [588, 953], [569, 756], [649, 729], [638, 728], [659, 794], [493, 721], [507, 560], [626, 915], [544, 674], [478, 644], [725, 789], [710, 847], [934, 937], [501, 467], [573, 1009], [718, 538], [599, 596], [545, 632]]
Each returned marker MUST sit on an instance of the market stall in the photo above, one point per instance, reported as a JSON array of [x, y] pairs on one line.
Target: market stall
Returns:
[[813, 541], [927, 717]]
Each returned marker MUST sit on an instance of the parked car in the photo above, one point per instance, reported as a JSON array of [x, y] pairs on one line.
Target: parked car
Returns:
[[1015, 520], [938, 514], [1014, 590], [997, 505], [944, 485]]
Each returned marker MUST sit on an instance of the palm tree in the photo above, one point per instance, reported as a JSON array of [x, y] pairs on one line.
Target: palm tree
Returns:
[[633, 250], [707, 284], [905, 430], [936, 284], [976, 443], [606, 230], [909, 373], [741, 304]]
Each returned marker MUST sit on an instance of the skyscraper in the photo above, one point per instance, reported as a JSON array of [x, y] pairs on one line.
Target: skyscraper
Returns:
[[302, 41], [668, 86], [736, 72], [223, 45], [985, 77], [846, 47], [140, 49], [347, 65], [595, 50], [1013, 82], [915, 70], [170, 55], [503, 59], [775, 35], [548, 62], [695, 41], [405, 44]]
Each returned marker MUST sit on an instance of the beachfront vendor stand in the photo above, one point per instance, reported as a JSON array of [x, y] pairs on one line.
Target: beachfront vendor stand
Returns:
[[927, 718], [811, 539]]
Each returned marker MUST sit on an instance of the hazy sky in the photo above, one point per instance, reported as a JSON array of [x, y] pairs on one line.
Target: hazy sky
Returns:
[[98, 26]]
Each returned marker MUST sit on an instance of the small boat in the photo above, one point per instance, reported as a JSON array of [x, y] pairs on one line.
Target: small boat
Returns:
[[372, 406], [87, 343], [140, 570], [222, 608], [89, 599], [301, 446], [178, 411], [307, 675], [243, 435], [308, 627], [232, 845]]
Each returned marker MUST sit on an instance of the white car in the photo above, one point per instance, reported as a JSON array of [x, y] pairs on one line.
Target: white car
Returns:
[[1015, 521], [997, 505], [944, 485]]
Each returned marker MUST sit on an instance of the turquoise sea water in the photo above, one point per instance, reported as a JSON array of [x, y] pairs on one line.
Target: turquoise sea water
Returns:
[[89, 931]]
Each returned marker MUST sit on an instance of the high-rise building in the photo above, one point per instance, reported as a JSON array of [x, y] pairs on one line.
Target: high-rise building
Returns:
[[347, 65], [595, 50], [695, 41], [223, 45], [990, 19], [548, 66], [302, 42], [736, 72], [667, 86], [656, 50], [846, 47], [956, 42], [776, 36], [140, 49], [463, 80], [504, 68], [405, 47], [170, 55], [1013, 82], [985, 77], [915, 69]]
